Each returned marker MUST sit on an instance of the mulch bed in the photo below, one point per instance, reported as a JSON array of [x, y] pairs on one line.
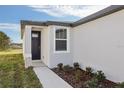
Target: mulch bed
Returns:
[[69, 76]]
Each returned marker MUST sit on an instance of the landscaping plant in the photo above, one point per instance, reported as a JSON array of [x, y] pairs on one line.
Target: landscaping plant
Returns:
[[60, 66], [93, 83], [89, 71], [80, 79], [67, 68], [100, 76], [120, 85], [76, 65]]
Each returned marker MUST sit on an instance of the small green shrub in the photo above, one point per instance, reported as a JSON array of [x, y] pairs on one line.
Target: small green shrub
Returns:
[[89, 70], [78, 74], [76, 65], [93, 83], [120, 85], [100, 76], [60, 66], [67, 68]]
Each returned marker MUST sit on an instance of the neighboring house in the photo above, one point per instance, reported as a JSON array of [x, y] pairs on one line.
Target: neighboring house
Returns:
[[96, 41]]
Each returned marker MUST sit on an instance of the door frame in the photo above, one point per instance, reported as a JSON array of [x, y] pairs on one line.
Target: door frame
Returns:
[[39, 41]]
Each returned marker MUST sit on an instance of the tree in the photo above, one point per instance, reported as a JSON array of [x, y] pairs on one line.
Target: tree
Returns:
[[4, 41]]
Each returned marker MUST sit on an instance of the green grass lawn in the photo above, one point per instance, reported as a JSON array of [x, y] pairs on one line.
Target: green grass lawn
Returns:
[[11, 51], [13, 73]]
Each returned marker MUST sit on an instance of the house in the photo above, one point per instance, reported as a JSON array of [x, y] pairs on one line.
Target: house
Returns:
[[96, 41]]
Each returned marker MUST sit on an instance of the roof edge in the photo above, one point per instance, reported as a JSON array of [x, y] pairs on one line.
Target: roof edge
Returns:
[[106, 11], [44, 23]]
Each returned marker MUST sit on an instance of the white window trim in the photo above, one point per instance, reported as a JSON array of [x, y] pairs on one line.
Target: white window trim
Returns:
[[68, 39]]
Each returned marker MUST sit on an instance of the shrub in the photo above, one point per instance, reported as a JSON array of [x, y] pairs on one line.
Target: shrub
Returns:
[[78, 74], [93, 83], [89, 70], [60, 66], [100, 76], [120, 85], [76, 65], [67, 68]]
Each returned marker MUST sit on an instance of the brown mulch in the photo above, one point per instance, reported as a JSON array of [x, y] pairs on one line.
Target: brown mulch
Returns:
[[79, 83]]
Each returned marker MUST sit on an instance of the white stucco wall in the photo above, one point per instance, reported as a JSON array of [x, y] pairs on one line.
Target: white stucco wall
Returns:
[[48, 55], [100, 44], [56, 58], [27, 46], [45, 45]]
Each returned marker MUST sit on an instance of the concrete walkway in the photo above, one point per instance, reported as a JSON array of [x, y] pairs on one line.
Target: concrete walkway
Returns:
[[49, 79]]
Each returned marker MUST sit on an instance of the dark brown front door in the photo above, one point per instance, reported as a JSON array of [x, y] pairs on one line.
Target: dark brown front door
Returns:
[[36, 46]]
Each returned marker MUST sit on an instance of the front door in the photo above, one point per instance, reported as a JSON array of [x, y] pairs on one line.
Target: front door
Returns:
[[36, 46]]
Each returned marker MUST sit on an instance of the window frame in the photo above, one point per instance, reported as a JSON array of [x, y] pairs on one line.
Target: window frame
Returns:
[[67, 39]]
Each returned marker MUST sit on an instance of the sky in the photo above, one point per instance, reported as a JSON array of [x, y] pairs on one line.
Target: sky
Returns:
[[10, 16]]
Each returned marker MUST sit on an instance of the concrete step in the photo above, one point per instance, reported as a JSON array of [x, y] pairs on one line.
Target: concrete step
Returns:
[[38, 64]]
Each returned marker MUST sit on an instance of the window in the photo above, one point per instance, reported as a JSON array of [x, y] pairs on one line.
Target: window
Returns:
[[34, 35], [61, 40]]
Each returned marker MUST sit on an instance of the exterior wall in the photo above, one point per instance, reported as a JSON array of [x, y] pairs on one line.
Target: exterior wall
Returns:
[[55, 58], [45, 45], [48, 55], [27, 46], [100, 44]]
